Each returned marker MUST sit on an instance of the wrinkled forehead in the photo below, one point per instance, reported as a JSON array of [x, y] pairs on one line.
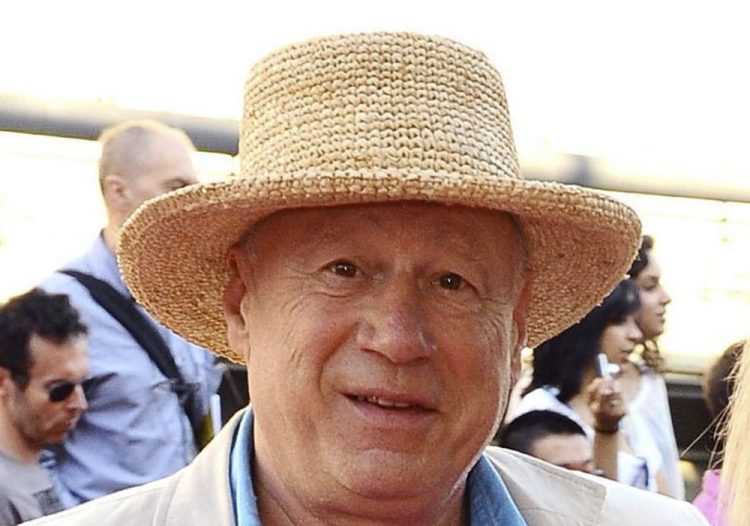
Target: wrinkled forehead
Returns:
[[487, 240], [455, 225]]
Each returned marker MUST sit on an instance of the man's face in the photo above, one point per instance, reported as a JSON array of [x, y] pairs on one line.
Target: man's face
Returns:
[[381, 343], [41, 422], [654, 300], [165, 167], [567, 451]]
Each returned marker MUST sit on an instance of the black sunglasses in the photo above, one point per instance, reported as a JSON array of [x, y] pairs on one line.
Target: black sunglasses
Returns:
[[61, 391]]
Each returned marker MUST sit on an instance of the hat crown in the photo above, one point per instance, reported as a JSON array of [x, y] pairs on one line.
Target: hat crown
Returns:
[[364, 119], [376, 104]]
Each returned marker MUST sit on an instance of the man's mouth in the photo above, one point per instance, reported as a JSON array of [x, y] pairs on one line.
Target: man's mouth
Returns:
[[385, 403]]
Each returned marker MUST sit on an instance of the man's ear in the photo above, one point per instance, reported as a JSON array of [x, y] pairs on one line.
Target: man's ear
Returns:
[[234, 296], [5, 379], [116, 192]]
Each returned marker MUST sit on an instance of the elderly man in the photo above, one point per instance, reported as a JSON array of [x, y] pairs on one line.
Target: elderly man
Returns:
[[143, 408], [378, 267], [43, 361]]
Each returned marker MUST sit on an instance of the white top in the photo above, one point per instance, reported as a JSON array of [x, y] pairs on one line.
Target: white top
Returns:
[[648, 426], [637, 470]]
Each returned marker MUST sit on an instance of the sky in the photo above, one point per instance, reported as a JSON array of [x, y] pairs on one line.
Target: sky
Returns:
[[661, 84]]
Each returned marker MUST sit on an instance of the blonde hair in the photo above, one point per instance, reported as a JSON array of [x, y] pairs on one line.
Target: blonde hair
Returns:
[[735, 473]]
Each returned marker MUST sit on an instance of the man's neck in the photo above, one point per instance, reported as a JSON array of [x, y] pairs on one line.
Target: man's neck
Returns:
[[277, 507], [13, 444], [111, 235]]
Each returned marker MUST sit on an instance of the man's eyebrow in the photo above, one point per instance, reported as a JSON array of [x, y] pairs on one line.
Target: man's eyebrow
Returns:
[[323, 235], [458, 244], [330, 233]]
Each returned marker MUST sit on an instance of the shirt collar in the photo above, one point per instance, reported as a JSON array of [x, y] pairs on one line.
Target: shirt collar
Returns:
[[489, 500], [241, 476], [104, 264]]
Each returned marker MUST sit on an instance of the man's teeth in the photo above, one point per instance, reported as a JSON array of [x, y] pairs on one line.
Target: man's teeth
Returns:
[[383, 403]]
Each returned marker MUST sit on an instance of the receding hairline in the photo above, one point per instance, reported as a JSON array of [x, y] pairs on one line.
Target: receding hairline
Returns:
[[126, 145]]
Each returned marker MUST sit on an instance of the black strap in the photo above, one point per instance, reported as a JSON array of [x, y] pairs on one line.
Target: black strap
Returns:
[[124, 310]]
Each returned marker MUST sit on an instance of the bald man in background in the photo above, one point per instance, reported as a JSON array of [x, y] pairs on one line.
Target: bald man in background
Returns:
[[142, 418]]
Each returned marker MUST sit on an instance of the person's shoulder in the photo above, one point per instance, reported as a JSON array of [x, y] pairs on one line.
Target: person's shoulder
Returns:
[[652, 508], [59, 283], [134, 506], [543, 492], [94, 261], [542, 394], [541, 398]]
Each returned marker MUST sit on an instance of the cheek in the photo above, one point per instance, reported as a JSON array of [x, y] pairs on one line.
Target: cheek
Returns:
[[289, 357], [482, 362], [607, 341], [36, 414], [649, 302]]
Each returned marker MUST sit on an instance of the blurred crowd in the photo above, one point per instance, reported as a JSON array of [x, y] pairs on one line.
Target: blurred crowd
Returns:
[[96, 395]]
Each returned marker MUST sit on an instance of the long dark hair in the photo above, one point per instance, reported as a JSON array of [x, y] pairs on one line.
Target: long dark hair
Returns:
[[562, 360], [648, 349]]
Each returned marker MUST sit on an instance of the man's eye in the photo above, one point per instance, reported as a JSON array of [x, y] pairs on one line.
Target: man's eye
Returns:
[[451, 281], [176, 184], [344, 268]]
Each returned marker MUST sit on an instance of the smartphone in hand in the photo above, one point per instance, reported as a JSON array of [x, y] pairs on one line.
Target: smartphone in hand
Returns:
[[602, 366]]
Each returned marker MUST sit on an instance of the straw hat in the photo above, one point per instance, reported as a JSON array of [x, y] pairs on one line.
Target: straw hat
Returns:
[[370, 118]]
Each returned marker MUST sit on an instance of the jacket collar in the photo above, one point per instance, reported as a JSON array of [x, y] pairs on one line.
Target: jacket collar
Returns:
[[578, 499], [209, 470]]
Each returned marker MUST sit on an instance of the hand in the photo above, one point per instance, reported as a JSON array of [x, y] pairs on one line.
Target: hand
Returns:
[[606, 404]]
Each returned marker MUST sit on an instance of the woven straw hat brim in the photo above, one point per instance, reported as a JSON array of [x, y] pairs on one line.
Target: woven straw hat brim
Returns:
[[172, 251]]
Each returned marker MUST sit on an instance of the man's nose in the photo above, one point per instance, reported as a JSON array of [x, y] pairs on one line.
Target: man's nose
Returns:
[[78, 399], [394, 325]]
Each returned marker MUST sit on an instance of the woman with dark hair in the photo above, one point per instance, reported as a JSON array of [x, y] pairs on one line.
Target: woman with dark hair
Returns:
[[646, 272], [565, 379], [642, 385]]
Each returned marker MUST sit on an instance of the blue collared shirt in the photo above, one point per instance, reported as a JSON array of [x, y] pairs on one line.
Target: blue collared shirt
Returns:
[[489, 501], [135, 429]]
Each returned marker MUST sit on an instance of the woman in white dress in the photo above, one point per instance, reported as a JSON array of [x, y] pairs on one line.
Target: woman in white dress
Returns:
[[565, 371], [643, 386]]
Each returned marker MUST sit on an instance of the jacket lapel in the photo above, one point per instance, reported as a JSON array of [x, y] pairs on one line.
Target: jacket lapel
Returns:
[[577, 501], [206, 480], [546, 495]]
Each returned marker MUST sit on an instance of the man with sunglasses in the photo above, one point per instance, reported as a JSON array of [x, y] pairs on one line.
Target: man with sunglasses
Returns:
[[149, 389], [43, 361]]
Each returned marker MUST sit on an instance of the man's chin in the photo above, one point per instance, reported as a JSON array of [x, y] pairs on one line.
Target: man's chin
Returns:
[[55, 441], [56, 438], [386, 475]]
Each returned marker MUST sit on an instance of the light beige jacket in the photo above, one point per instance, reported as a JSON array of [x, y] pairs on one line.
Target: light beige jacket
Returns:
[[546, 496]]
